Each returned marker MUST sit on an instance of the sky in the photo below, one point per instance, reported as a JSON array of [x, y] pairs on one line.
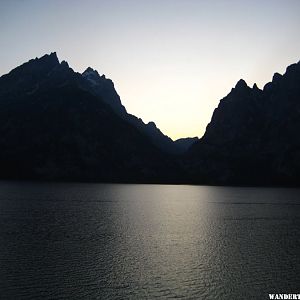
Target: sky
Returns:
[[171, 61]]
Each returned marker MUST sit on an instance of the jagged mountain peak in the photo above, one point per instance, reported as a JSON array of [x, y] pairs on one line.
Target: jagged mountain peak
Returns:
[[37, 66], [50, 59], [241, 84], [94, 77], [276, 77], [152, 124], [254, 130], [255, 87], [90, 72], [293, 67], [52, 55], [65, 64]]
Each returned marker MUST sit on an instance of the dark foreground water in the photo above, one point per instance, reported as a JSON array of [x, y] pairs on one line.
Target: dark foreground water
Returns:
[[101, 241]]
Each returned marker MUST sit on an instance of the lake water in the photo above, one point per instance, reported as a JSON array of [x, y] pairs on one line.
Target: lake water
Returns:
[[121, 241]]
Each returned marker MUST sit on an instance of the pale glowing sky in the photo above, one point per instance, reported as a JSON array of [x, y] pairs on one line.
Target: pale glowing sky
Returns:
[[171, 60]]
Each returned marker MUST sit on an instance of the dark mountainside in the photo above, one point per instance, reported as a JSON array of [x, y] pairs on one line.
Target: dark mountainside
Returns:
[[52, 127], [56, 124], [103, 87], [185, 143], [253, 137]]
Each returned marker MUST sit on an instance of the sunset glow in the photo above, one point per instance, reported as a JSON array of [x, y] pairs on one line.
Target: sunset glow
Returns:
[[171, 61]]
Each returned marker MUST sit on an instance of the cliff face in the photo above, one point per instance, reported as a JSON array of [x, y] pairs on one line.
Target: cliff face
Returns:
[[253, 137]]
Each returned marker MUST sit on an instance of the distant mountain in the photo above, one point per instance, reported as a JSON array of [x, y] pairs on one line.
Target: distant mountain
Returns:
[[56, 124], [185, 143], [253, 137]]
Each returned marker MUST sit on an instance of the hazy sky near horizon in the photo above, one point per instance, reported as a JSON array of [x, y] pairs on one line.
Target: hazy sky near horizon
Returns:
[[171, 60]]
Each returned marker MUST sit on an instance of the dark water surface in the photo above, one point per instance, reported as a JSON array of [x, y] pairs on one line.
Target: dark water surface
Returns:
[[115, 241]]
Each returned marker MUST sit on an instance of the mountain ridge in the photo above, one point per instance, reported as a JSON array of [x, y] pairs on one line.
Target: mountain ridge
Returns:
[[252, 135], [57, 124], [103, 87], [52, 127]]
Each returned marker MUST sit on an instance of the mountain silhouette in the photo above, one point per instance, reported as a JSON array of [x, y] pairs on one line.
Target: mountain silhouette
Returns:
[[57, 124], [53, 127], [253, 136], [185, 143]]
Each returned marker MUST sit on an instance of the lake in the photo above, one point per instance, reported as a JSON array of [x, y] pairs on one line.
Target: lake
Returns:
[[126, 241]]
